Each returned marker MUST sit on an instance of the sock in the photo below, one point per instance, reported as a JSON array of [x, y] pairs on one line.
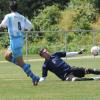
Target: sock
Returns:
[[13, 60], [93, 71], [27, 70]]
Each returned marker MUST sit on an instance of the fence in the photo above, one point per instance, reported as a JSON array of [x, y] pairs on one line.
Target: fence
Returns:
[[58, 40], [63, 42]]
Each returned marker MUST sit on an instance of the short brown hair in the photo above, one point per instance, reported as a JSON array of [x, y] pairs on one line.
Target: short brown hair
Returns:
[[41, 50], [13, 5]]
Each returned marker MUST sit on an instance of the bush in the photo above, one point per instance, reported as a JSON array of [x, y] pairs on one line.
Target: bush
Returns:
[[85, 14], [49, 16]]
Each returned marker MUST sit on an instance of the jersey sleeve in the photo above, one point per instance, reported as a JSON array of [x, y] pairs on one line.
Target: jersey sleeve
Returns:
[[71, 54], [28, 25], [64, 54], [60, 54], [44, 70], [4, 22]]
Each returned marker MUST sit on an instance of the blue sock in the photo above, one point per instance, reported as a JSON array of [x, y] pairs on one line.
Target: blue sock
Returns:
[[13, 60], [27, 70]]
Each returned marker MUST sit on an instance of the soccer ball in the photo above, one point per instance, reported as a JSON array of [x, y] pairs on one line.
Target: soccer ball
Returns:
[[95, 50]]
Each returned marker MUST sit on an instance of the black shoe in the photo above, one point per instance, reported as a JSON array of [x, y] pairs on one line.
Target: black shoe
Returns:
[[36, 81]]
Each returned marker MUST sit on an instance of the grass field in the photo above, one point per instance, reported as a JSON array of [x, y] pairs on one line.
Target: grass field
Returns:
[[14, 85]]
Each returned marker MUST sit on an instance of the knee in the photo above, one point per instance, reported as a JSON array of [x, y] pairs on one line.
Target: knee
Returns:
[[7, 55]]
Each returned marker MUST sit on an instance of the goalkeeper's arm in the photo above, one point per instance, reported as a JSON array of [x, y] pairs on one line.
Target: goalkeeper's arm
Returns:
[[42, 79], [71, 54]]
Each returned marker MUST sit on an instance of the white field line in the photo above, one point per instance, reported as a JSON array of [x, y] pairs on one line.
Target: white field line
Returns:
[[11, 79], [22, 79], [79, 57]]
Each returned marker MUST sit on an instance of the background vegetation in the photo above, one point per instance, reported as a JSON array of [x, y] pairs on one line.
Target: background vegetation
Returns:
[[57, 15]]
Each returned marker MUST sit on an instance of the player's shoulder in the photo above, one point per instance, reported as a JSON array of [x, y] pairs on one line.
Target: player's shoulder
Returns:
[[18, 14], [59, 52], [9, 15], [14, 14]]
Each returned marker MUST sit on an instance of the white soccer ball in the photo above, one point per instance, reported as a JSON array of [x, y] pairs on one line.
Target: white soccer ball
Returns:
[[95, 50]]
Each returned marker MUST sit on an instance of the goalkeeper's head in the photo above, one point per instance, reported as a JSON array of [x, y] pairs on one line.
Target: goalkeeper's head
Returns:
[[13, 6], [44, 53]]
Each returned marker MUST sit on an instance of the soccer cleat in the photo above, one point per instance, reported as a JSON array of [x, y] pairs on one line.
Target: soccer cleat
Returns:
[[96, 78], [35, 81]]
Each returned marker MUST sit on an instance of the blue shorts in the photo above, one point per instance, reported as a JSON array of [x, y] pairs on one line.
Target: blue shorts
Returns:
[[16, 45]]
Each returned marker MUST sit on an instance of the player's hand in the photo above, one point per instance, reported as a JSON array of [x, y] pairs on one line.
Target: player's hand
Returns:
[[1, 29], [42, 79], [81, 51]]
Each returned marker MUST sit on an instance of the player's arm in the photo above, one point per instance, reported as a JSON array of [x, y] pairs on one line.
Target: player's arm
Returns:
[[68, 54], [1, 28], [44, 73], [71, 54], [28, 25], [4, 22]]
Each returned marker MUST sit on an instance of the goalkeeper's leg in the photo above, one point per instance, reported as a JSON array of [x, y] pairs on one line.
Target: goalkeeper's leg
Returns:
[[81, 72], [82, 79], [93, 71], [85, 79]]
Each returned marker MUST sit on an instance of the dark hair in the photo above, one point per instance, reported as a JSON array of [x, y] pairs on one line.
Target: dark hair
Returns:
[[13, 5], [41, 50]]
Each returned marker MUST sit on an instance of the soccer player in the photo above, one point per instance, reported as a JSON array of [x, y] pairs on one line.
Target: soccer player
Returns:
[[16, 23], [61, 69]]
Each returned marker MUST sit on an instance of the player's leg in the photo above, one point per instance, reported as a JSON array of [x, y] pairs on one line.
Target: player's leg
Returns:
[[93, 71], [16, 47], [71, 77], [82, 79], [9, 57], [86, 79], [24, 66], [81, 72], [27, 70], [78, 72]]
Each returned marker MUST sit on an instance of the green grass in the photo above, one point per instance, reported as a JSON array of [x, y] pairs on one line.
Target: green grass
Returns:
[[14, 85]]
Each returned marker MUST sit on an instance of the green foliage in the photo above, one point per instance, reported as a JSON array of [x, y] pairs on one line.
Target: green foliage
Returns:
[[85, 14], [96, 4], [46, 15], [30, 8], [4, 41], [49, 16], [4, 9], [47, 20]]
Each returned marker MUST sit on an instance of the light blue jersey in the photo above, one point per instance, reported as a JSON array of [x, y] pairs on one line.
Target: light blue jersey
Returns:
[[16, 23]]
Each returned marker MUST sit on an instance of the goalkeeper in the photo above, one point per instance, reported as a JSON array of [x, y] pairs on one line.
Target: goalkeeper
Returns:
[[61, 69], [16, 23]]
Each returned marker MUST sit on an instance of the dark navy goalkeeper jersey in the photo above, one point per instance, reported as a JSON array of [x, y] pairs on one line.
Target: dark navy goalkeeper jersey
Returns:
[[56, 65]]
